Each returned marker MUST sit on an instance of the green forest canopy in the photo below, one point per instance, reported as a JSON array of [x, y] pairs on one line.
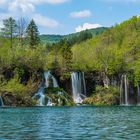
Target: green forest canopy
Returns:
[[114, 52]]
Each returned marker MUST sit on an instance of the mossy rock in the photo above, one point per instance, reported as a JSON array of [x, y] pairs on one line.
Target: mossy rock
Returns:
[[59, 99], [15, 100]]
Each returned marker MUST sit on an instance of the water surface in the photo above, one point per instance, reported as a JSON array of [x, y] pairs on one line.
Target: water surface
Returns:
[[70, 123]]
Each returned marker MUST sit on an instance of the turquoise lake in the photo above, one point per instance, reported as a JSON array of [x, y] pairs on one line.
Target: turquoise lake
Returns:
[[70, 123]]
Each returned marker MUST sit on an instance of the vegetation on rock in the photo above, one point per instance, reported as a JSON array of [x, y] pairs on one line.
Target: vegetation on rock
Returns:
[[104, 96], [57, 96]]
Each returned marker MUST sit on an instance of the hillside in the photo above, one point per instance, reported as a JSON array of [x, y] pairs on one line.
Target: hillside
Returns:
[[114, 52], [56, 38]]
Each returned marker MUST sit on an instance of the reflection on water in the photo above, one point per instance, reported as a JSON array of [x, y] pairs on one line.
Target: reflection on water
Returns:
[[70, 123]]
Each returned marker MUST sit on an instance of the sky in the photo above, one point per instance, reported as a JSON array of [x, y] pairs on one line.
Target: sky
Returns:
[[69, 16]]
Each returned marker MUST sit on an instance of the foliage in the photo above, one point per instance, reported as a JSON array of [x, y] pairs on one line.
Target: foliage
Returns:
[[50, 39], [110, 52], [66, 56], [104, 96], [32, 34], [114, 52], [75, 37], [17, 94], [10, 29], [14, 86]]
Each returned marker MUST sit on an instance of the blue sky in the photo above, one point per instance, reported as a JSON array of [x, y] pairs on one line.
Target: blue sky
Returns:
[[68, 16]]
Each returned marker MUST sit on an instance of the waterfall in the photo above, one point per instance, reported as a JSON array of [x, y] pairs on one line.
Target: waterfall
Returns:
[[47, 76], [138, 90], [59, 101], [138, 94], [42, 96], [78, 86], [49, 102], [124, 90], [1, 102], [46, 84], [121, 91]]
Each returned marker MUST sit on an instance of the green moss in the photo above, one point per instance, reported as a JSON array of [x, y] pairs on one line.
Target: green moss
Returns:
[[63, 100], [59, 94], [58, 97]]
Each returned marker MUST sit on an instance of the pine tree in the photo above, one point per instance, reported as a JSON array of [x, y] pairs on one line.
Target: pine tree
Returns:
[[10, 29], [32, 34]]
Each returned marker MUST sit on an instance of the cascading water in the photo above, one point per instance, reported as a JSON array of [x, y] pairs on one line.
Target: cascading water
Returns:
[[46, 84], [138, 90], [124, 91], [59, 101], [49, 102], [138, 94], [78, 86], [121, 91], [42, 96], [1, 102], [47, 76]]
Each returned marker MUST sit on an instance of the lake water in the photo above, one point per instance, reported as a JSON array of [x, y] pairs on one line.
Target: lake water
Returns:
[[70, 123]]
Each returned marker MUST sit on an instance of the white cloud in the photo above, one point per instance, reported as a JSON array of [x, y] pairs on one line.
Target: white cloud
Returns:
[[45, 21], [2, 2], [81, 14], [27, 8], [126, 1], [21, 6], [87, 26], [33, 2], [56, 1]]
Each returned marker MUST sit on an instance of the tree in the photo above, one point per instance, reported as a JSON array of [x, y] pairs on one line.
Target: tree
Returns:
[[21, 23], [83, 36], [9, 29], [66, 56], [32, 34]]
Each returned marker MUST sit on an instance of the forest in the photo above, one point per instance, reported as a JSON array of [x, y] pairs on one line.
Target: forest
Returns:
[[104, 55]]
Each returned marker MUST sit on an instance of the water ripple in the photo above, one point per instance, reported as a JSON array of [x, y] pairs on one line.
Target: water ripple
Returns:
[[70, 123]]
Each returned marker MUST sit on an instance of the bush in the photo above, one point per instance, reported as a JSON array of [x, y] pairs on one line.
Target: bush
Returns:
[[14, 86], [104, 96], [15, 93]]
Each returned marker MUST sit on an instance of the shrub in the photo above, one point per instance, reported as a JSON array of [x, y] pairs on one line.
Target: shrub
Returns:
[[104, 96]]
